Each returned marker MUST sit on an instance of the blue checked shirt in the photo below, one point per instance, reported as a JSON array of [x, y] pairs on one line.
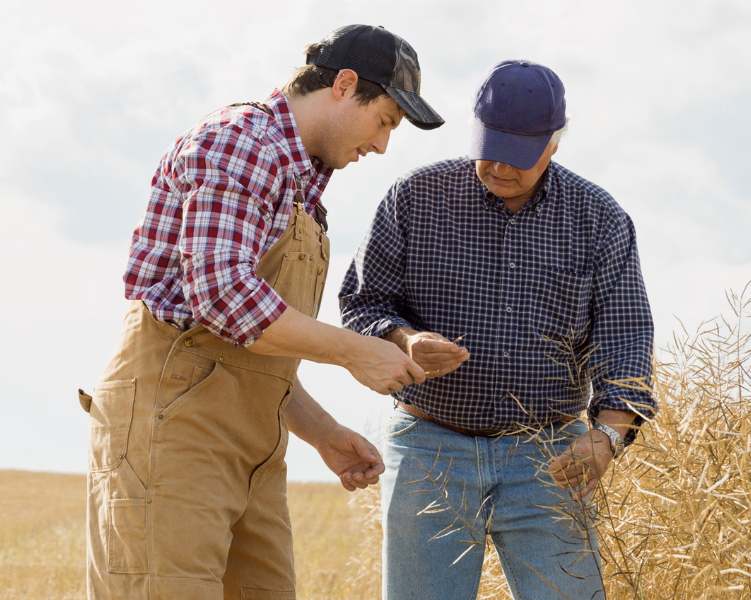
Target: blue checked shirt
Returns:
[[552, 297]]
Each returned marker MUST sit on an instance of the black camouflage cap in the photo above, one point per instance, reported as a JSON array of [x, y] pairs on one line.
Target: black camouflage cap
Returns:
[[381, 57]]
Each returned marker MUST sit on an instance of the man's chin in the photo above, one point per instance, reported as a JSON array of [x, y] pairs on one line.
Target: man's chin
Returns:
[[334, 163]]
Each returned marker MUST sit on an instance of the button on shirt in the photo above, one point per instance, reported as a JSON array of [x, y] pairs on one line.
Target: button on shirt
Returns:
[[552, 297], [221, 197]]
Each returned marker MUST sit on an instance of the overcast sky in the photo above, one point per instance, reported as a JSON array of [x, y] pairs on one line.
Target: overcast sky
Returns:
[[91, 93]]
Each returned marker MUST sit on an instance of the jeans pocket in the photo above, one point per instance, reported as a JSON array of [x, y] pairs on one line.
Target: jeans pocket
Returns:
[[110, 416], [401, 423]]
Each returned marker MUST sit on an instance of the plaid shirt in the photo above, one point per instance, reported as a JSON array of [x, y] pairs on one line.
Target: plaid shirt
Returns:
[[220, 198], [552, 297]]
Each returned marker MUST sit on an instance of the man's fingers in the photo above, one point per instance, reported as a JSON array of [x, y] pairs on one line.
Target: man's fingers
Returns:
[[370, 454], [434, 370], [591, 484], [346, 480], [354, 481], [427, 346], [560, 463], [415, 372], [569, 470]]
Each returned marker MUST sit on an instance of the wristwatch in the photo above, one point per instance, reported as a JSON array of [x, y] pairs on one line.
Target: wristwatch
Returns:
[[617, 443]]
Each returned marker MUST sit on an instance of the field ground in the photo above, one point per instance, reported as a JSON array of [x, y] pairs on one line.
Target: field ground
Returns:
[[43, 547]]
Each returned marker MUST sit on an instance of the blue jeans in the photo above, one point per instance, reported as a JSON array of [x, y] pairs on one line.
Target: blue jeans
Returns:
[[439, 481]]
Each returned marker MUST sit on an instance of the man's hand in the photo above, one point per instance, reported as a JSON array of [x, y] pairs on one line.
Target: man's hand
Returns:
[[583, 463], [433, 352], [381, 365], [348, 454], [353, 458]]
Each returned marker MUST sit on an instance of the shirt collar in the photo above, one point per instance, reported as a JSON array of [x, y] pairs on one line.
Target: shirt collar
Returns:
[[312, 170], [279, 105]]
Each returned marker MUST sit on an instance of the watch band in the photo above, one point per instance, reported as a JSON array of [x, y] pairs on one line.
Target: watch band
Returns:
[[617, 443]]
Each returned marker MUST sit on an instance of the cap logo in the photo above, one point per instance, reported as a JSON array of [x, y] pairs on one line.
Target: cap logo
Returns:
[[406, 71]]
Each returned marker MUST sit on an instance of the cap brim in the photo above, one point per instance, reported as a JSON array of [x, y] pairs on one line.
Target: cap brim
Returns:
[[520, 151], [419, 112]]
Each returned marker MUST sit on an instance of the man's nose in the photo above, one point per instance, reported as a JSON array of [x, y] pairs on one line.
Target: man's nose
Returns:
[[380, 142], [501, 168]]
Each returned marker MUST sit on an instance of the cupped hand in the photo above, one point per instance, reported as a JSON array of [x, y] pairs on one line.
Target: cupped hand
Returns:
[[353, 458], [435, 354]]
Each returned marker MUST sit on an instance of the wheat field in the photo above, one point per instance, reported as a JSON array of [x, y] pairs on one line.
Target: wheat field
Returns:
[[674, 511], [43, 545]]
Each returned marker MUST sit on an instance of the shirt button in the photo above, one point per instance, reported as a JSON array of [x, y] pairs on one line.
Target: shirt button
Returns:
[[302, 257], [509, 309], [513, 221], [189, 342], [512, 265], [506, 354], [320, 270]]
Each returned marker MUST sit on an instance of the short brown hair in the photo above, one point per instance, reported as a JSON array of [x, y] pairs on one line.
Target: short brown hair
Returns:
[[311, 78]]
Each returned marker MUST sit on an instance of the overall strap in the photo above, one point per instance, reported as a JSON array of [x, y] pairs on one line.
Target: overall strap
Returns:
[[320, 211]]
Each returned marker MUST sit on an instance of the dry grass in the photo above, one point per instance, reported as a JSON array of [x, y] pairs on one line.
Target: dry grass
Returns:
[[43, 545], [42, 536], [330, 547], [675, 512]]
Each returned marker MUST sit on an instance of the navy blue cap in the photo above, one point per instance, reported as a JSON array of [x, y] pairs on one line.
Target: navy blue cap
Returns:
[[517, 109]]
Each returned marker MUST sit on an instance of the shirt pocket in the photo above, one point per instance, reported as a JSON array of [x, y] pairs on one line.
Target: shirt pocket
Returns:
[[562, 305], [110, 416]]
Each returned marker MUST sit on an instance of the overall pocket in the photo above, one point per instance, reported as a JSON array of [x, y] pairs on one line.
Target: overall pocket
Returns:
[[126, 522], [110, 416]]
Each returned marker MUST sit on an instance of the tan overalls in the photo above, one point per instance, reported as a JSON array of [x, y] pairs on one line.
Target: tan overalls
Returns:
[[187, 435]]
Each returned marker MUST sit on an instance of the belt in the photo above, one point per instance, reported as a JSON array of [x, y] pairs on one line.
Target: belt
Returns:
[[413, 410]]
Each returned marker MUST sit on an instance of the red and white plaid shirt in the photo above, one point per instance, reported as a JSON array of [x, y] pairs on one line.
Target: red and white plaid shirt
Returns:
[[221, 197]]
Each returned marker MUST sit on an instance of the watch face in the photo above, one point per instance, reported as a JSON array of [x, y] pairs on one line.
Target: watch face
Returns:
[[617, 443]]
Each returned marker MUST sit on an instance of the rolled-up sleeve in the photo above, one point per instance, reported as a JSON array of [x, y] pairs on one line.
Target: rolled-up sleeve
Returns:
[[228, 182], [622, 334]]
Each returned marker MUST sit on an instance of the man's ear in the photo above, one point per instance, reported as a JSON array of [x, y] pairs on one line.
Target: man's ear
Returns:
[[345, 84]]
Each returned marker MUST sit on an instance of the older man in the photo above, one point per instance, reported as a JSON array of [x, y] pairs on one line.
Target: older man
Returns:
[[515, 284]]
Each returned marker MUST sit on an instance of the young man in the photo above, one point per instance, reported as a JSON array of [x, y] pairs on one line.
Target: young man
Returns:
[[536, 269], [188, 424]]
